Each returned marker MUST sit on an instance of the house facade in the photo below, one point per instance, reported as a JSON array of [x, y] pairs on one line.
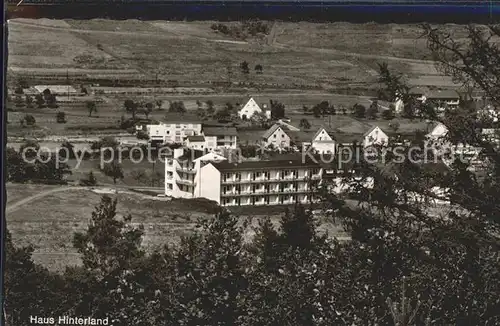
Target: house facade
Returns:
[[260, 182], [182, 177], [276, 137], [220, 137], [173, 132], [323, 142], [375, 136], [249, 109]]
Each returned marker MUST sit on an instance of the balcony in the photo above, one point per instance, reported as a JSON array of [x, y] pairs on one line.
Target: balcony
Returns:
[[185, 170], [185, 182], [264, 193], [271, 180]]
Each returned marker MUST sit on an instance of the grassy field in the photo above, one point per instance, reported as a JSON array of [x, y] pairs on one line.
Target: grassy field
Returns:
[[49, 223], [303, 53]]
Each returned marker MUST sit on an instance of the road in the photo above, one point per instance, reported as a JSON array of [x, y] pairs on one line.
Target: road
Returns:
[[14, 206]]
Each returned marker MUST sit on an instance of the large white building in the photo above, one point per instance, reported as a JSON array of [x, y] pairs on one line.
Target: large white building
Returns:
[[173, 131], [182, 172], [193, 174]]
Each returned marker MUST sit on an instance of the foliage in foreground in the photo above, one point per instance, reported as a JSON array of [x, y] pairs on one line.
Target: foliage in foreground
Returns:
[[404, 265], [285, 276]]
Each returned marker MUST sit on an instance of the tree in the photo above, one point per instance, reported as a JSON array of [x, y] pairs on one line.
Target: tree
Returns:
[[61, 117], [177, 106], [277, 109], [21, 276], [244, 67], [304, 124], [142, 135], [19, 101], [372, 110], [394, 126], [30, 120], [388, 114], [111, 253], [210, 107], [222, 114], [51, 101], [359, 111], [91, 107], [148, 109], [258, 69], [40, 102], [159, 104], [113, 170], [19, 90], [131, 107], [29, 101]]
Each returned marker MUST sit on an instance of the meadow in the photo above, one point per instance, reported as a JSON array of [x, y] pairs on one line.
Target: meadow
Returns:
[[48, 223]]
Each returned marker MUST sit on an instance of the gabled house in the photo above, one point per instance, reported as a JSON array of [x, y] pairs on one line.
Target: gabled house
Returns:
[[276, 136], [249, 109], [437, 131], [375, 136], [323, 142], [444, 98], [196, 142], [287, 125]]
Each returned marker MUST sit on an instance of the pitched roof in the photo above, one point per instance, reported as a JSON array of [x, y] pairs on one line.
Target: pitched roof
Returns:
[[371, 129], [265, 165], [251, 102], [330, 133], [443, 94], [220, 131], [196, 138], [345, 138], [269, 132], [300, 136]]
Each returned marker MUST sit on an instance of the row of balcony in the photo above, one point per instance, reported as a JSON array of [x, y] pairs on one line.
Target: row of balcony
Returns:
[[266, 180], [266, 192]]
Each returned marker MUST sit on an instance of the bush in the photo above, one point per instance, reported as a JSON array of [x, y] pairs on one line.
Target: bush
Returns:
[[61, 117], [29, 119]]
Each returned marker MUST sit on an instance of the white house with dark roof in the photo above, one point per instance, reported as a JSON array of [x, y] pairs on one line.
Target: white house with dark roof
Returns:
[[249, 109], [437, 131], [323, 142], [444, 98], [276, 136], [375, 136], [196, 142]]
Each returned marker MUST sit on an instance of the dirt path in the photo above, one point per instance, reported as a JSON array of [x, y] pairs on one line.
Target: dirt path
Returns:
[[14, 206]]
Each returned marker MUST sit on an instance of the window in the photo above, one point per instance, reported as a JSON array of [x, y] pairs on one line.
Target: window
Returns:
[[168, 132], [274, 135], [282, 136], [177, 126], [169, 186]]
